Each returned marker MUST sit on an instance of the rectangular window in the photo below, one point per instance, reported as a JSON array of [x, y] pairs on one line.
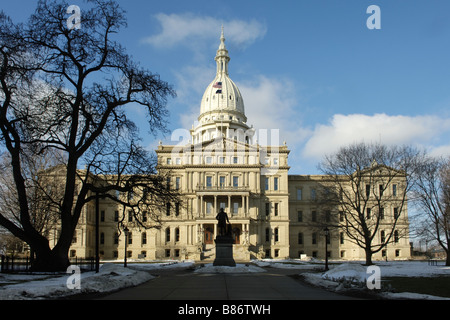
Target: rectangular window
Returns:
[[177, 183], [235, 182], [314, 238], [222, 205], [300, 238], [328, 216], [235, 160], [221, 160], [267, 209], [209, 207], [300, 216], [394, 190], [235, 207], [144, 216], [313, 194], [299, 194], [102, 216], [276, 209], [208, 181], [222, 181], [367, 190], [275, 183], [396, 214], [266, 183], [208, 160], [314, 216]]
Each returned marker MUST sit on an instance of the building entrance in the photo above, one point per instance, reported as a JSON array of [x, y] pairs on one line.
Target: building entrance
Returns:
[[209, 235]]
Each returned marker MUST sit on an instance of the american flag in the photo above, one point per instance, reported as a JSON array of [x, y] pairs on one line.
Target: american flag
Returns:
[[218, 85]]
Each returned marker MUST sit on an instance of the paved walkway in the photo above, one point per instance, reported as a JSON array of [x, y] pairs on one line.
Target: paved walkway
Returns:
[[275, 284]]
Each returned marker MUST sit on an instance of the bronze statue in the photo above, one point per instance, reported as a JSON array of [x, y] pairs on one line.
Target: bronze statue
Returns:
[[222, 218]]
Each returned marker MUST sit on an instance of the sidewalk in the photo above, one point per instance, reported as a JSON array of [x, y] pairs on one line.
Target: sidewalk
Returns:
[[274, 284]]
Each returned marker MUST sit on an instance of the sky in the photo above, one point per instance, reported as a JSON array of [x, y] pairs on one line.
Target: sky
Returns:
[[311, 69]]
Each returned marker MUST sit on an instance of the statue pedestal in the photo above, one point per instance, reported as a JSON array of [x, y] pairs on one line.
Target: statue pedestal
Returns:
[[224, 252]]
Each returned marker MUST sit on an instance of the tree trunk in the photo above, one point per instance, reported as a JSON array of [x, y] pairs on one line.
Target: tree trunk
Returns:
[[368, 257], [50, 260]]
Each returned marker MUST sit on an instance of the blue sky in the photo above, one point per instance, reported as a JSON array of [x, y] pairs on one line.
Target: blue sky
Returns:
[[310, 68]]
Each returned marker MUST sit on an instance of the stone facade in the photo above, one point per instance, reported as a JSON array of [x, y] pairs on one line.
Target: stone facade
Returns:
[[224, 166]]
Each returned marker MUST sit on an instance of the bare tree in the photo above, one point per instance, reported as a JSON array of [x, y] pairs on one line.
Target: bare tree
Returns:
[[67, 90], [432, 195], [369, 184]]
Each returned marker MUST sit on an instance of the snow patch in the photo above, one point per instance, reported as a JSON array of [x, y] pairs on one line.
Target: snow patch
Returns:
[[347, 271]]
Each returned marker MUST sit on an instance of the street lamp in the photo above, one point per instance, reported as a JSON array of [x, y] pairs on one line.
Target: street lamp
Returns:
[[327, 233], [125, 230]]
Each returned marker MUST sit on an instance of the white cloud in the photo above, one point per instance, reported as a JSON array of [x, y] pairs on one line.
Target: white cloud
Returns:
[[189, 29], [273, 104], [427, 131]]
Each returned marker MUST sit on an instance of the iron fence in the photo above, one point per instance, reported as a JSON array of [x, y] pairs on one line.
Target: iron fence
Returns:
[[24, 265]]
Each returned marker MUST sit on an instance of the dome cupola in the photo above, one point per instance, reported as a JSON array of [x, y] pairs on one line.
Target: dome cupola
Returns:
[[222, 96], [222, 112]]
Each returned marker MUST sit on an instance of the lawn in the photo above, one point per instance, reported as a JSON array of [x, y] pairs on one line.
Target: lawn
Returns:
[[435, 286]]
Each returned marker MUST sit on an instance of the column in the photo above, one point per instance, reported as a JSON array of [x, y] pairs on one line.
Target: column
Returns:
[[247, 206], [215, 204], [229, 204]]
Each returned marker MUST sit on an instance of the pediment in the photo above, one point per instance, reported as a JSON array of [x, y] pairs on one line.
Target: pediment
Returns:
[[223, 145]]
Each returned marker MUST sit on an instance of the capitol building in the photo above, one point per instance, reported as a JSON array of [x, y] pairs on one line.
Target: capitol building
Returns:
[[225, 165]]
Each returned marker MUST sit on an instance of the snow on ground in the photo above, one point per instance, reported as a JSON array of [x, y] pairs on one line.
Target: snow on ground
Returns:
[[113, 276], [343, 274]]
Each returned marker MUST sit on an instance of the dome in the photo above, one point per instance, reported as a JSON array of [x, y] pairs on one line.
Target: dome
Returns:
[[222, 97], [222, 112]]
